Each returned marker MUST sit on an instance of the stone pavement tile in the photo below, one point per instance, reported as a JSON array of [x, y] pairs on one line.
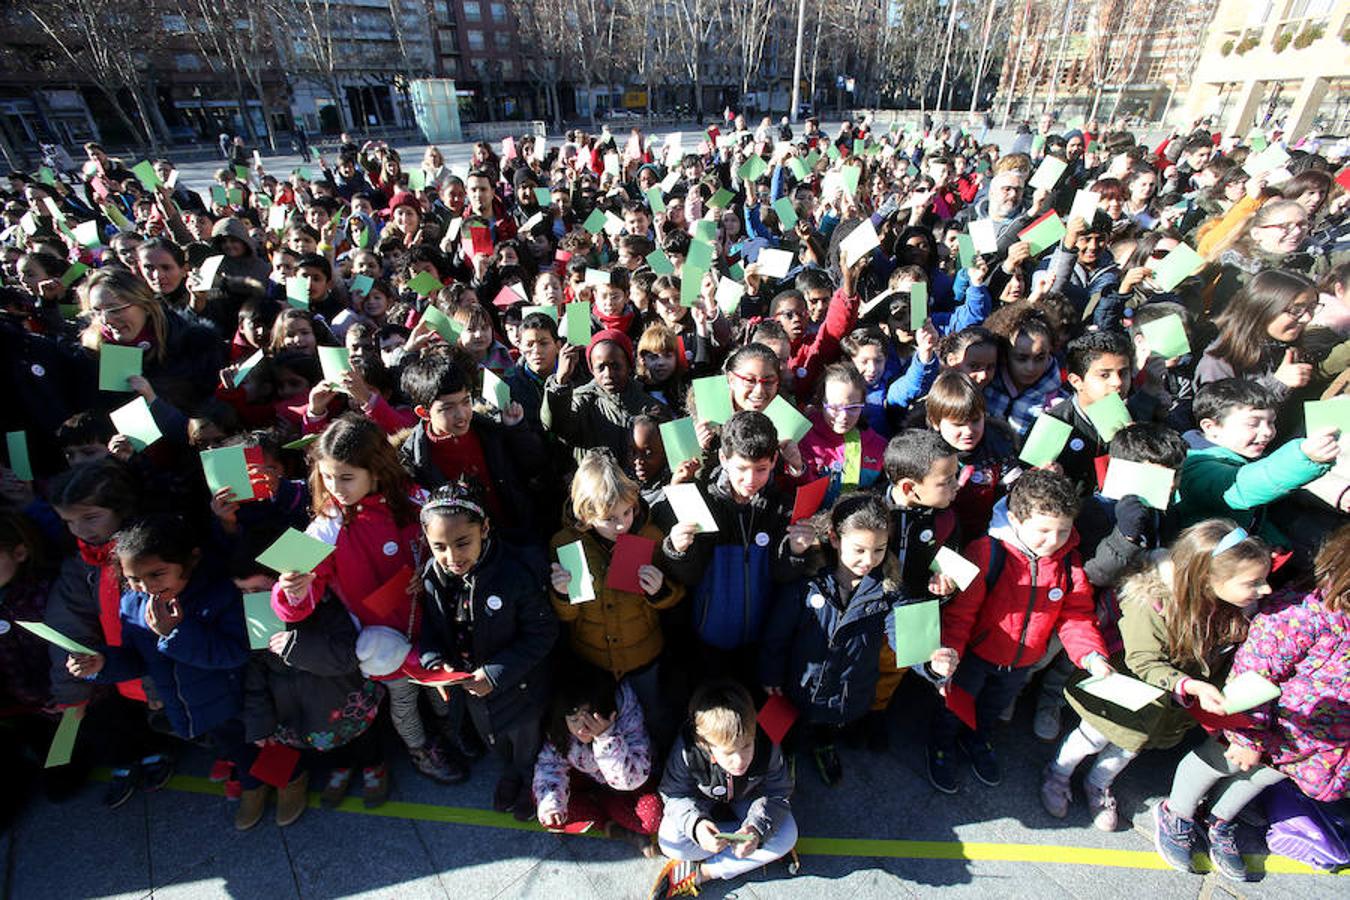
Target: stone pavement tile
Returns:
[[830, 876], [353, 855], [556, 876], [479, 862], [195, 850], [80, 848], [614, 868]]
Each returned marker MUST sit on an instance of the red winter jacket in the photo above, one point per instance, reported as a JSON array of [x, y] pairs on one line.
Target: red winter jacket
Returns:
[[1012, 625], [812, 355]]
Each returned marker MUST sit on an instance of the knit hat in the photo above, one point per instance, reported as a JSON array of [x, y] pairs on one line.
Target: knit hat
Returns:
[[381, 650], [611, 334], [404, 198], [1071, 134]]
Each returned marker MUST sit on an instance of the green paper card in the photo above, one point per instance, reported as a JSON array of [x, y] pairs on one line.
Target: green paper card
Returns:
[[1037, 143], [577, 323], [655, 200], [241, 172], [87, 234], [362, 284], [46, 176], [334, 362], [595, 222], [799, 168], [681, 442], [1043, 233], [1122, 690], [136, 422], [691, 284], [859, 145], [1248, 691], [261, 620], [849, 179], [235, 196], [543, 197], [812, 158], [1333, 413], [790, 424], [712, 398], [752, 169], [424, 283], [705, 230], [295, 551], [549, 311], [700, 255], [1108, 415], [1166, 337], [297, 291], [660, 263], [19, 462], [722, 199], [63, 742], [226, 467], [918, 632], [69, 311], [918, 305], [966, 249], [145, 173], [442, 324], [496, 391], [1155, 485], [73, 274], [1176, 267], [417, 180], [117, 364], [52, 636], [1046, 441], [218, 196], [787, 213], [301, 443], [581, 587], [832, 151], [247, 366]]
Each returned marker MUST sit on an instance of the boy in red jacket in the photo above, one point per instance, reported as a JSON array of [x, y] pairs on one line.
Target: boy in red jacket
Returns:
[[1033, 587]]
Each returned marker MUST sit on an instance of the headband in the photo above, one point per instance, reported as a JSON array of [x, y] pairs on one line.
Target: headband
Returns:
[[1230, 540], [453, 503]]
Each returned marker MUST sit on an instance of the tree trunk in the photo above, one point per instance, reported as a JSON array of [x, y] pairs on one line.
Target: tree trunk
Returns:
[[1096, 98], [241, 96], [344, 117], [147, 127], [266, 113]]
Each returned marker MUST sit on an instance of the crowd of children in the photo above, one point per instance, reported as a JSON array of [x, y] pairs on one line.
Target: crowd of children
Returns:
[[649, 466]]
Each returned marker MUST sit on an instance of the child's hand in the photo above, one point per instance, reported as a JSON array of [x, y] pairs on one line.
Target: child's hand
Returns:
[[926, 341], [514, 414], [651, 578], [14, 489], [1211, 698], [162, 615], [1018, 253], [1293, 373], [481, 686], [705, 833], [705, 433], [141, 385], [978, 272], [552, 819], [277, 642], [943, 661], [1099, 667], [791, 455], [1244, 758], [745, 848], [319, 397], [682, 536], [296, 585], [773, 691], [560, 578], [801, 538], [941, 586], [1321, 445], [569, 362], [1133, 278], [355, 385], [83, 665], [225, 508], [685, 471], [120, 447]]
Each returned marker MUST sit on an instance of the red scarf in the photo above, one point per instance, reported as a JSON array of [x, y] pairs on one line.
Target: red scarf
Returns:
[[622, 322], [110, 604]]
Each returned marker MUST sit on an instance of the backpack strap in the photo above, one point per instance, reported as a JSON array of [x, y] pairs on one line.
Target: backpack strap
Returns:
[[997, 555]]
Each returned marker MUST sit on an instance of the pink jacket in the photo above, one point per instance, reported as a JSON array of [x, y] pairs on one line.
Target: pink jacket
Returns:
[[1305, 649], [823, 454], [371, 549]]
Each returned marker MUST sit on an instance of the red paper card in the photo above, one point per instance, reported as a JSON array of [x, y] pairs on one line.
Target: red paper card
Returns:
[[392, 594], [631, 553], [809, 498], [1037, 221], [776, 717], [1343, 178], [962, 704], [1278, 558], [481, 240], [508, 148], [275, 765], [262, 485], [1101, 463], [573, 828], [506, 297]]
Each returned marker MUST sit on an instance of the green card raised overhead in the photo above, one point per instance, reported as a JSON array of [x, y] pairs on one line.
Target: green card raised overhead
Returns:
[[1166, 337], [442, 324], [1043, 233], [136, 422], [577, 323], [145, 173], [297, 291], [425, 283], [1178, 265], [791, 424], [660, 263], [787, 213], [16, 442], [595, 222]]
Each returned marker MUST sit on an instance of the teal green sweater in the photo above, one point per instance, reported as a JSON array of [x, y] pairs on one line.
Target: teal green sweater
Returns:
[[1218, 483]]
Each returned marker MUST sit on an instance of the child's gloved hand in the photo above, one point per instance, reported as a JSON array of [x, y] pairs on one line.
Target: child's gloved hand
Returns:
[[1135, 520]]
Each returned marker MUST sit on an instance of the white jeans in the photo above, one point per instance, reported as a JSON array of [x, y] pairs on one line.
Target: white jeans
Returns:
[[727, 864]]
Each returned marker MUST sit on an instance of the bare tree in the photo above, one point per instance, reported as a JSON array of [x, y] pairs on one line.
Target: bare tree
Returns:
[[238, 40], [315, 26]]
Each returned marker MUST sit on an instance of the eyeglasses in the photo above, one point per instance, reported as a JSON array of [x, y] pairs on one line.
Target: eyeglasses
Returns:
[[1301, 311], [1286, 227], [112, 311], [771, 381], [835, 409]]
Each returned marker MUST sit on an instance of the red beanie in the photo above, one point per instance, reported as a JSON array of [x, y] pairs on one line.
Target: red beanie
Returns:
[[611, 334]]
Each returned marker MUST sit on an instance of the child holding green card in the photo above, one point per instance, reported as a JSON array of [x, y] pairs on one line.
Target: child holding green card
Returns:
[[1100, 372]]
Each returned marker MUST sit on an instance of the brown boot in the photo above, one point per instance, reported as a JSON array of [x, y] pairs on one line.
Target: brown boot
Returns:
[[292, 800], [251, 807]]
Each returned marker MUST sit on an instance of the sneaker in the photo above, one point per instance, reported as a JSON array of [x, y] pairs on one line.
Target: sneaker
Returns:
[[155, 772], [507, 791], [1056, 795], [1046, 723], [292, 800], [1102, 806], [251, 808], [678, 878], [1224, 852], [828, 765], [983, 762], [336, 789], [1174, 837], [941, 771], [221, 770], [121, 786], [233, 789], [434, 764], [374, 786]]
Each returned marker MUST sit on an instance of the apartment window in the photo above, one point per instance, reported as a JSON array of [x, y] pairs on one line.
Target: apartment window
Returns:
[[498, 13], [1157, 68], [473, 11], [508, 69], [450, 65], [476, 40], [502, 39]]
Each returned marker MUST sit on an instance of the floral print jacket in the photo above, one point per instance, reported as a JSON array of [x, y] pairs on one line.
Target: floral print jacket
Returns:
[[620, 758]]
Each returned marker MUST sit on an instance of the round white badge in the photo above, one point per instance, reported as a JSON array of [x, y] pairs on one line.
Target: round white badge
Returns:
[[719, 790], [762, 539], [926, 535], [494, 603], [817, 601], [36, 369], [390, 548], [801, 372], [979, 477], [1056, 593], [4, 627], [1076, 444]]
